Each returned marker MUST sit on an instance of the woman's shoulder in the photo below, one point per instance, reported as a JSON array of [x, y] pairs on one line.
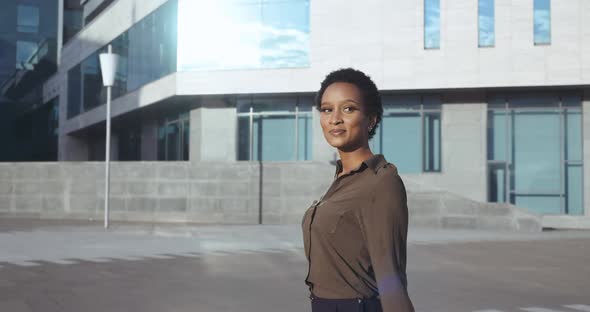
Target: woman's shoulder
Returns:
[[387, 170], [387, 176]]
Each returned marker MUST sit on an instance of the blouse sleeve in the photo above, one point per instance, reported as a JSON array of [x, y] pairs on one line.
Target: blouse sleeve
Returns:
[[385, 227]]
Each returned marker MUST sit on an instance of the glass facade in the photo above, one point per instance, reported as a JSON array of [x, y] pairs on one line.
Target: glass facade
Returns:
[[72, 19], [486, 22], [246, 34], [174, 138], [409, 135], [36, 133], [147, 51], [275, 128], [542, 21], [432, 24], [24, 51], [27, 19], [177, 37], [534, 153]]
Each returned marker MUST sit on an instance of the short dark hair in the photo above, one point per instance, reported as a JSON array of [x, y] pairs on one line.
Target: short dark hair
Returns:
[[370, 94]]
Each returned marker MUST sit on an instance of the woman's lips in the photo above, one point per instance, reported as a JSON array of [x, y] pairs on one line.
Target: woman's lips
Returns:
[[336, 132]]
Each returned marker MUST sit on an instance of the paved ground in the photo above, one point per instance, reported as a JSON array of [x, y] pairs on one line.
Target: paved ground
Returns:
[[80, 267]]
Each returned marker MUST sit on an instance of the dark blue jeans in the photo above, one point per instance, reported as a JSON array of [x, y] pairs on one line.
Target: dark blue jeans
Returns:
[[345, 305]]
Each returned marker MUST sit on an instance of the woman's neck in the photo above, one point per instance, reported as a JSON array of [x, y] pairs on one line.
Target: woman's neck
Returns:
[[353, 159]]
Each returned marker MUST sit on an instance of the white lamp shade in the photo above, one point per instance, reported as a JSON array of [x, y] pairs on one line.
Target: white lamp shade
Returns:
[[108, 66]]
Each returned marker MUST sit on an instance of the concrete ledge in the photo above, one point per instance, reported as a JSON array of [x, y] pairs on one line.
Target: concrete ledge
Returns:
[[566, 222]]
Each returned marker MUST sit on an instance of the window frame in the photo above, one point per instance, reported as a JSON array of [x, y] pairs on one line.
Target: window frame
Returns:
[[297, 113], [422, 110]]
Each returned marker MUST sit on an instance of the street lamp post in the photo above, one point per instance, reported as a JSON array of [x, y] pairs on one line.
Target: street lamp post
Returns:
[[108, 66]]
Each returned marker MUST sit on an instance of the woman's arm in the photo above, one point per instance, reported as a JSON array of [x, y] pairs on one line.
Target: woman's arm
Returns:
[[385, 226]]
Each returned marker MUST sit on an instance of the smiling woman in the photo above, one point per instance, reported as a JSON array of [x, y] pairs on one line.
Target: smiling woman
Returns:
[[355, 235]]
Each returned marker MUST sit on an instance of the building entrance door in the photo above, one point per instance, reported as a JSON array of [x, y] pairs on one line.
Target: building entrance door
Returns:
[[534, 156]]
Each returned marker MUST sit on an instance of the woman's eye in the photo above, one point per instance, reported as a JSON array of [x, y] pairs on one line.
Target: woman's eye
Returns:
[[326, 110], [348, 109]]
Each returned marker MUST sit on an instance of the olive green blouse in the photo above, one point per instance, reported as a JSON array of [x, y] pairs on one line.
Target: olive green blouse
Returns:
[[355, 237]]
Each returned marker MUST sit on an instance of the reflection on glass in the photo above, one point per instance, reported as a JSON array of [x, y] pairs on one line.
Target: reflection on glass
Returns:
[[151, 47], [24, 50], [243, 137], [400, 141], [147, 51], [172, 142], [543, 204], [573, 130], [247, 34], [497, 184], [276, 105], [409, 135], [94, 93], [186, 130], [486, 23], [285, 34], [574, 198], [274, 138], [431, 142], [162, 143], [305, 136], [543, 162], [27, 19], [74, 91], [537, 153], [281, 128], [497, 121], [542, 21], [174, 137], [431, 24]]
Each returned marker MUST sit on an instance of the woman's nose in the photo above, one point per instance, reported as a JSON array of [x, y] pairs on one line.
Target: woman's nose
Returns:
[[335, 117]]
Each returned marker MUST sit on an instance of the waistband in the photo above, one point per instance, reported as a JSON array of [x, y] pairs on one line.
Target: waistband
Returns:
[[359, 300]]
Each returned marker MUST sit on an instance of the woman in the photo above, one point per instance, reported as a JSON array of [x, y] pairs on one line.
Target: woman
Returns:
[[355, 235]]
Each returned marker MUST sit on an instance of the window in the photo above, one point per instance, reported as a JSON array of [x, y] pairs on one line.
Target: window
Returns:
[[243, 34], [72, 19], [486, 23], [24, 51], [27, 19], [147, 51], [414, 123], [275, 129], [432, 24], [173, 138], [129, 135], [539, 168], [542, 22]]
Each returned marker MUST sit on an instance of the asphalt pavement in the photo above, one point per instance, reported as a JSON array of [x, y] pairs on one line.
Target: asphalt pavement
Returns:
[[79, 266]]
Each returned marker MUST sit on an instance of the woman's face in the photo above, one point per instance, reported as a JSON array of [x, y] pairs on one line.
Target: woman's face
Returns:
[[343, 117]]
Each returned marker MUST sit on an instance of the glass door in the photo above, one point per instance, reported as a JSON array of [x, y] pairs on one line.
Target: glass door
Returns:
[[535, 154], [536, 173]]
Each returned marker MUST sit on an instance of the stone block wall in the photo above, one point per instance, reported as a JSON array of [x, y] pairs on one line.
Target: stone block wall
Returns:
[[216, 192]]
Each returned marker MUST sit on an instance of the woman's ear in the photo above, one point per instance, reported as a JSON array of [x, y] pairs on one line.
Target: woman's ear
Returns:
[[372, 122]]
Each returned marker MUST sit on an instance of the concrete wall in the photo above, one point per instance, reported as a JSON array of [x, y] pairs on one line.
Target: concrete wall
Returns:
[[206, 192], [213, 133], [215, 192]]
